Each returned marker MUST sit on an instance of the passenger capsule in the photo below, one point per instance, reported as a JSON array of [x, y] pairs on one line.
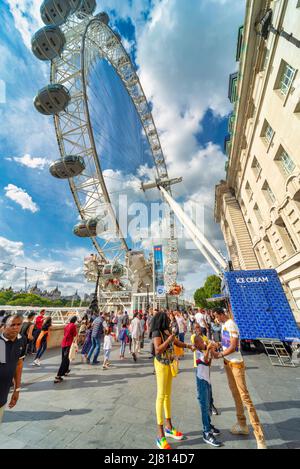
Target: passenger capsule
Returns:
[[52, 100], [87, 7], [55, 12], [113, 270], [68, 167], [123, 61], [103, 17], [89, 229], [48, 43], [146, 117], [139, 99], [133, 80]]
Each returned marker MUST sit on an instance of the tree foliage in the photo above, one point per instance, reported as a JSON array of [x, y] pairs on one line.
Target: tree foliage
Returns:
[[211, 287], [9, 298]]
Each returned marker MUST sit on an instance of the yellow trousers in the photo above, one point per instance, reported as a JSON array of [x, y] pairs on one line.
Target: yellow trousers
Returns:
[[164, 380]]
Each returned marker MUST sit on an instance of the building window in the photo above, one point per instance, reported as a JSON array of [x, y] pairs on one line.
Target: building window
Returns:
[[286, 163], [285, 78], [286, 237], [250, 229], [258, 214], [249, 191], [267, 133], [269, 193], [256, 167]]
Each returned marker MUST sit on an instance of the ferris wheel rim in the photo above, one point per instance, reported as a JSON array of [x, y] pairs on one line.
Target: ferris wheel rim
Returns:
[[161, 169]]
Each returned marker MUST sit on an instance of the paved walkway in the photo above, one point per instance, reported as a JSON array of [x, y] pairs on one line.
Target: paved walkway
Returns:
[[115, 409]]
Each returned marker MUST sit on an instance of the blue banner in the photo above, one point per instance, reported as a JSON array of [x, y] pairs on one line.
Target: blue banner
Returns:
[[159, 270]]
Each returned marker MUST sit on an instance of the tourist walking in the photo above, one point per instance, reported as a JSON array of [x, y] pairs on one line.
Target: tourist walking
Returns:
[[27, 331], [119, 324], [124, 339], [144, 327], [70, 337], [107, 348], [204, 390], [136, 334], [125, 319], [38, 324], [42, 341], [200, 318], [235, 370], [88, 342], [12, 353], [216, 330], [2, 316], [97, 335], [165, 368], [181, 325], [178, 351], [82, 330]]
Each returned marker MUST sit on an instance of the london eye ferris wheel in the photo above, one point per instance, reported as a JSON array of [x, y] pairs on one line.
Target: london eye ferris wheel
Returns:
[[89, 69]]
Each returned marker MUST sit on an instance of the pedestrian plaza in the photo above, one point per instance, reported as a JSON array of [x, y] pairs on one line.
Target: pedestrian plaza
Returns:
[[115, 408]]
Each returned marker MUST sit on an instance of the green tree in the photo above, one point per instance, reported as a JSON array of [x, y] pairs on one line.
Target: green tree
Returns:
[[211, 287], [200, 298]]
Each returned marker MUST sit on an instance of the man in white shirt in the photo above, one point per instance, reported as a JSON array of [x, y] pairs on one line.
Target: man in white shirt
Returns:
[[235, 370], [136, 334], [201, 320]]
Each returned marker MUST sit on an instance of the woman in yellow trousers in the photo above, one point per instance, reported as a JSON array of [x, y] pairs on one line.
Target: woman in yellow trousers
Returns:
[[165, 368]]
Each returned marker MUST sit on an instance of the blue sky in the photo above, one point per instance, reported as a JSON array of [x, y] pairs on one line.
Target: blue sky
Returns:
[[184, 54]]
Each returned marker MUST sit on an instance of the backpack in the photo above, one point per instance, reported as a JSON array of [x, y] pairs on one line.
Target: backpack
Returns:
[[122, 335]]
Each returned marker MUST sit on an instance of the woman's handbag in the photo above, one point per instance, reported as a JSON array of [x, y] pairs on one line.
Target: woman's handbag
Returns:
[[174, 365], [73, 352]]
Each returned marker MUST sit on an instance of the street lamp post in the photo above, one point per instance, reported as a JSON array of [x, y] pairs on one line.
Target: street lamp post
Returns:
[[148, 305]]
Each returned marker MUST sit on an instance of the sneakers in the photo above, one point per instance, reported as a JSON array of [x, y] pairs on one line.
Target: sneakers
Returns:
[[214, 410], [162, 443], [238, 429], [211, 440], [174, 434], [261, 445], [36, 362], [215, 431]]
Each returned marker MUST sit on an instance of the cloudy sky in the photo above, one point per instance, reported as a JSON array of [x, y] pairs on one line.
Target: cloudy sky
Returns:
[[184, 51]]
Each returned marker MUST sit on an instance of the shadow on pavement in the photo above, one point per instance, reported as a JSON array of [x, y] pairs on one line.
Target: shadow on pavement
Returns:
[[28, 416]]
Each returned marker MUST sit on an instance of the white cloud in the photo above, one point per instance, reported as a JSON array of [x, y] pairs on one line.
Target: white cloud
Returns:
[[21, 197], [30, 162], [65, 272], [27, 18]]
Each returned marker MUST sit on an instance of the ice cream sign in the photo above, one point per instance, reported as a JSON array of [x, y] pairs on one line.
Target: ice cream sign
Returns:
[[252, 280]]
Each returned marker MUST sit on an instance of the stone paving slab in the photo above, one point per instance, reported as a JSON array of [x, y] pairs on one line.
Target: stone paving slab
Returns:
[[115, 409]]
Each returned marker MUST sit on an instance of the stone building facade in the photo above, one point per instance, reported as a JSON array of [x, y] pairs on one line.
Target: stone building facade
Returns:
[[258, 205]]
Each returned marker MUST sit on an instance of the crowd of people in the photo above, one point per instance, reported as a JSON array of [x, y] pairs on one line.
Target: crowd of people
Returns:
[[214, 336]]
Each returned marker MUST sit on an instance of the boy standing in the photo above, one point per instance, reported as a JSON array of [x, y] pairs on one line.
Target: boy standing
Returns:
[[203, 362]]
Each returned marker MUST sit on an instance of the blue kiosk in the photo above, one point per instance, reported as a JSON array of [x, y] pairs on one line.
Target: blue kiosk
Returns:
[[262, 311]]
